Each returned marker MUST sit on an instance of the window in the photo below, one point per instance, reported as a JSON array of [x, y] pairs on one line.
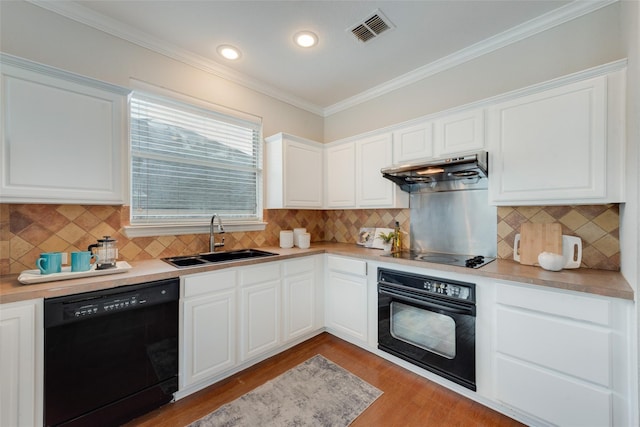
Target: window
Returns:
[[188, 162]]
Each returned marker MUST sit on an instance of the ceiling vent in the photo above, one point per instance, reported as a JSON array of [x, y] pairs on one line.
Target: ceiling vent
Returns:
[[371, 27]]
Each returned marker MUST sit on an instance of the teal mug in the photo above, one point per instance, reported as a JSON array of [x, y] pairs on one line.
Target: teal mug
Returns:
[[50, 262], [81, 261]]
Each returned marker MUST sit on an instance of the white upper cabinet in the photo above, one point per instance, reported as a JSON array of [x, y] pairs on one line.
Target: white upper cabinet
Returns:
[[64, 136], [294, 172], [459, 132], [353, 174], [563, 145], [413, 142], [341, 176], [374, 191]]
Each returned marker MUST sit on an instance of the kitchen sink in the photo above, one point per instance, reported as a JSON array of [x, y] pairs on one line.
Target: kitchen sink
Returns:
[[216, 257]]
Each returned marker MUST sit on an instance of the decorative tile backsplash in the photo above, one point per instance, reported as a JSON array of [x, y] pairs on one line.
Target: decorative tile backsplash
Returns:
[[26, 230], [597, 226]]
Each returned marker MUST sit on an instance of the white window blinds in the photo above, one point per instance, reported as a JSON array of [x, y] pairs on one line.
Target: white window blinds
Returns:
[[188, 162]]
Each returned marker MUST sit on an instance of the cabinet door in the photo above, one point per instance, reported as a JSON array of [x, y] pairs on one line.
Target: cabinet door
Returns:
[[63, 138], [563, 348], [21, 367], [302, 175], [372, 155], [341, 176], [260, 310], [550, 147], [551, 397], [459, 132], [346, 304], [293, 172], [413, 142], [299, 305], [209, 335]]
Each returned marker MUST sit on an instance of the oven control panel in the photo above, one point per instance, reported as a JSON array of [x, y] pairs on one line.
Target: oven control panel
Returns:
[[444, 288], [451, 289]]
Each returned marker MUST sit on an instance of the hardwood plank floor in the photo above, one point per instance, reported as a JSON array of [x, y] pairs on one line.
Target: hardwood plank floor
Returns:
[[408, 399]]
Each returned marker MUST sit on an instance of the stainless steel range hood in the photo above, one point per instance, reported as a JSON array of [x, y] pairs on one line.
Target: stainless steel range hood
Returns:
[[464, 172]]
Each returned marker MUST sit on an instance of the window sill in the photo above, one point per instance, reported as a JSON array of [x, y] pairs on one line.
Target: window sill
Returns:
[[148, 230]]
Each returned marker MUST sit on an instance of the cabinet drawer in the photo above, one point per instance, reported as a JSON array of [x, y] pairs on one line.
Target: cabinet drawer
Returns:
[[299, 266], [347, 265], [560, 304], [554, 398], [199, 284], [563, 345], [260, 274]]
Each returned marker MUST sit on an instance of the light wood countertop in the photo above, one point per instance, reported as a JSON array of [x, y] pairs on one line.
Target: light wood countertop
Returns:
[[598, 282]]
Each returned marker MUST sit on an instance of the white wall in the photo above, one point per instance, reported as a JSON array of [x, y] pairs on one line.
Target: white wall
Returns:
[[591, 40], [34, 33], [630, 217]]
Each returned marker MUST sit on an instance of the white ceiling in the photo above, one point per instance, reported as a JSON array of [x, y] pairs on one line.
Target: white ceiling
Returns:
[[429, 36]]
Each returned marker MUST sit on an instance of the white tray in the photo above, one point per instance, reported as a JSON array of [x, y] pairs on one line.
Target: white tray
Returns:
[[28, 277]]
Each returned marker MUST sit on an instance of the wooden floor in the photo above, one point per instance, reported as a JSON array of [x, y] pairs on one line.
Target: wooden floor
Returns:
[[408, 399]]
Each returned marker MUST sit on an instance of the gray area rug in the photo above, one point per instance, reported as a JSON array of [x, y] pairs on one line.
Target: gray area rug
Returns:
[[315, 393]]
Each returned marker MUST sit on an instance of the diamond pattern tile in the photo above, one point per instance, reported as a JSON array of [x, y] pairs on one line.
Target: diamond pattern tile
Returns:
[[596, 225], [27, 230]]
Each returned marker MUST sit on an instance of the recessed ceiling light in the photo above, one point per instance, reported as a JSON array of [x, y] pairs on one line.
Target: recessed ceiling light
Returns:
[[229, 52], [305, 39]]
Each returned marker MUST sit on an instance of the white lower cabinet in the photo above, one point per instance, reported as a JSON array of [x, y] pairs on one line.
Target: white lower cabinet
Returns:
[[298, 298], [235, 317], [346, 298], [259, 309], [560, 357], [21, 363], [209, 326]]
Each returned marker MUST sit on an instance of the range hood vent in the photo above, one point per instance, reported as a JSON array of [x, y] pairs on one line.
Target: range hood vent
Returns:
[[371, 27], [464, 172]]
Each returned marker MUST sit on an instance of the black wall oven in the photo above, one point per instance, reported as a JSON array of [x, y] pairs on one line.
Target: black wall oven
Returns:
[[110, 355], [429, 322]]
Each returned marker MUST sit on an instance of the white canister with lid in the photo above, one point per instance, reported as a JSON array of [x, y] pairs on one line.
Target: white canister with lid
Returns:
[[286, 239], [296, 235], [304, 240]]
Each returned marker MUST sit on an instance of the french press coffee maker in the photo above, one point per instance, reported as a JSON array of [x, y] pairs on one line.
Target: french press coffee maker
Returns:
[[106, 251]]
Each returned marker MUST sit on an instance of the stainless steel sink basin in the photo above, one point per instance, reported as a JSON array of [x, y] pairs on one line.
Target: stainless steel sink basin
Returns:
[[216, 257]]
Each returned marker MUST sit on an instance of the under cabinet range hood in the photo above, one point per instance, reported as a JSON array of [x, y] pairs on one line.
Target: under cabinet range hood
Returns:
[[463, 172]]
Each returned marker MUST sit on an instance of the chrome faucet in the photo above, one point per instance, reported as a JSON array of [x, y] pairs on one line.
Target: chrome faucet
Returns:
[[212, 241]]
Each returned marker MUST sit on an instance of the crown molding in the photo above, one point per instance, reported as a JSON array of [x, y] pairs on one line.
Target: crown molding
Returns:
[[115, 28], [532, 27], [556, 17]]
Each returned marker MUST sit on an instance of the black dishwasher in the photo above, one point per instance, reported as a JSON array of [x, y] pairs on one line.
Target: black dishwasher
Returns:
[[110, 355]]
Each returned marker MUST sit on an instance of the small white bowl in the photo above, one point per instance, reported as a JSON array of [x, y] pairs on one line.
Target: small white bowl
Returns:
[[550, 261]]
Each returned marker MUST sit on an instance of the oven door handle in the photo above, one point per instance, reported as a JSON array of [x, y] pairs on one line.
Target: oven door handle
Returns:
[[397, 294]]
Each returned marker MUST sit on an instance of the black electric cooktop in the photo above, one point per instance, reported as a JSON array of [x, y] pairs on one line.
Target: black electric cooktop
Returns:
[[471, 261]]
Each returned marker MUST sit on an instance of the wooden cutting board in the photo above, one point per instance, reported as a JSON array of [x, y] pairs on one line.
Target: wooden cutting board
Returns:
[[538, 238]]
